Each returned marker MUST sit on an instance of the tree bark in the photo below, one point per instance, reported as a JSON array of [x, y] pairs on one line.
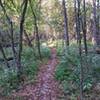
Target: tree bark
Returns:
[[65, 23], [11, 30], [84, 28], [3, 53], [21, 38], [80, 51], [36, 29], [95, 36], [28, 39], [98, 22], [76, 19]]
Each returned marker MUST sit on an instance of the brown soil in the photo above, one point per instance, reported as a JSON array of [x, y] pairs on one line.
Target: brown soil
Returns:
[[46, 87]]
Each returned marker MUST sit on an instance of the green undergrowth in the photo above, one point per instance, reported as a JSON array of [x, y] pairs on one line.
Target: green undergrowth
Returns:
[[30, 63], [68, 70]]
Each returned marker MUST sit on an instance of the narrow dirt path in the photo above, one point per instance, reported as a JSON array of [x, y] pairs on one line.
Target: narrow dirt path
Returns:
[[46, 87]]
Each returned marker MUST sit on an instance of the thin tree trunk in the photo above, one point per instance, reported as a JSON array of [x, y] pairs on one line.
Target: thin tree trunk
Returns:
[[29, 42], [80, 52], [36, 29], [4, 56], [21, 38], [76, 19], [28, 39], [3, 53], [84, 28], [94, 22], [96, 32], [11, 30], [98, 22], [12, 40], [65, 23]]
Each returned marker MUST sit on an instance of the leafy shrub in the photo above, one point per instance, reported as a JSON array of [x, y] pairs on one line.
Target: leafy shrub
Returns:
[[68, 70], [30, 63], [59, 50], [30, 69], [96, 66], [62, 72], [28, 54], [45, 51], [8, 80], [8, 77]]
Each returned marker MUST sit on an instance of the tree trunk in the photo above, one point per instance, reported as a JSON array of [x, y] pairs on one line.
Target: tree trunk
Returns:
[[21, 38], [76, 19], [36, 29], [84, 28], [65, 23], [3, 53], [96, 34], [80, 51], [98, 22], [95, 22], [29, 42], [11, 30]]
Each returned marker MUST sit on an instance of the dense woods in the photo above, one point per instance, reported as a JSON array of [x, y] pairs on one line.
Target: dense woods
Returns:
[[49, 50]]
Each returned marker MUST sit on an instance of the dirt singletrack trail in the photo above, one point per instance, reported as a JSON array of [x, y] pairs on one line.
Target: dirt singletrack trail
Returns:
[[46, 87]]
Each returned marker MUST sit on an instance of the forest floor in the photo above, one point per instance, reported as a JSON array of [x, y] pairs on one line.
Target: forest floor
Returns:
[[45, 87]]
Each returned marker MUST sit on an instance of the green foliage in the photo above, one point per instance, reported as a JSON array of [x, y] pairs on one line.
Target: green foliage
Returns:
[[45, 51], [30, 64], [68, 70], [59, 50], [28, 53], [63, 71], [96, 66], [30, 68], [8, 80]]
